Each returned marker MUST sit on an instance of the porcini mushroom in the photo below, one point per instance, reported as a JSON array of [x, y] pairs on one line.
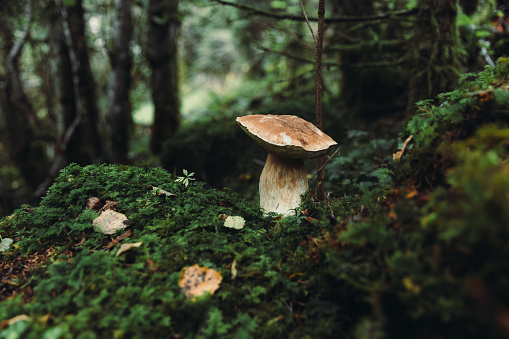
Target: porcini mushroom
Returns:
[[288, 139]]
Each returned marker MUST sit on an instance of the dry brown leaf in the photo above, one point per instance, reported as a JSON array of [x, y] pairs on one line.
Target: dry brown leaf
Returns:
[[110, 205], [110, 221], [94, 203], [126, 247], [196, 281]]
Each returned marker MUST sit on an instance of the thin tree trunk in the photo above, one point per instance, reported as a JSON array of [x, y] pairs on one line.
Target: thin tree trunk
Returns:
[[162, 56], [318, 93], [120, 119], [85, 146], [26, 152]]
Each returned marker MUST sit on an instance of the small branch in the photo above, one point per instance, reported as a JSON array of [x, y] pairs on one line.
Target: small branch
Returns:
[[258, 11], [16, 49], [307, 21], [325, 163], [399, 61]]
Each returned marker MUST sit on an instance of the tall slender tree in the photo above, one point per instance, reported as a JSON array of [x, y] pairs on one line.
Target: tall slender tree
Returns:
[[318, 91], [24, 147], [85, 145], [120, 119], [161, 52]]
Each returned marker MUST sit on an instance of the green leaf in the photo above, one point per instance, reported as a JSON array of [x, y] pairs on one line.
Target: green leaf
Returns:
[[278, 4]]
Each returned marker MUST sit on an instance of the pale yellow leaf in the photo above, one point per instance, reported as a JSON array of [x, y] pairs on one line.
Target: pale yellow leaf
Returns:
[[158, 191], [234, 269], [196, 281], [126, 247], [21, 317], [235, 222], [110, 221]]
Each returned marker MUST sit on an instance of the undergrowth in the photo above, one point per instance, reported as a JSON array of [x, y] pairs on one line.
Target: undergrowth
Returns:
[[406, 246]]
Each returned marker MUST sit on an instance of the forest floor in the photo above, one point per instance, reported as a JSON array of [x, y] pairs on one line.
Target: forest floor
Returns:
[[411, 244]]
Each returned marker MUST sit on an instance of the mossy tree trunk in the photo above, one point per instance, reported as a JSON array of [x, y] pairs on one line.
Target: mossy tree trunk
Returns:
[[437, 51], [162, 56], [371, 53], [120, 119]]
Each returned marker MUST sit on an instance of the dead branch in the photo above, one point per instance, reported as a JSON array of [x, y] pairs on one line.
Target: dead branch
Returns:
[[258, 11]]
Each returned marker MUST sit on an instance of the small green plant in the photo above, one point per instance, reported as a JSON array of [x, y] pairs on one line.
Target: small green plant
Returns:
[[186, 179]]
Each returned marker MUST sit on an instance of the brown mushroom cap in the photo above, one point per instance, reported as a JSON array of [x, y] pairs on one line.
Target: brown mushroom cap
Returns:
[[287, 136]]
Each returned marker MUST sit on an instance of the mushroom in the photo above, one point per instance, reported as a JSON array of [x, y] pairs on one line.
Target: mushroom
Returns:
[[289, 140]]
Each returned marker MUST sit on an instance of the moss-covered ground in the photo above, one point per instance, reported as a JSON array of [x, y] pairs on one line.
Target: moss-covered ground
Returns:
[[414, 245]]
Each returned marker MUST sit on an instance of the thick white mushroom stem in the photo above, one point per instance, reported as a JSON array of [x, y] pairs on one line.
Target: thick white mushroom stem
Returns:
[[282, 182]]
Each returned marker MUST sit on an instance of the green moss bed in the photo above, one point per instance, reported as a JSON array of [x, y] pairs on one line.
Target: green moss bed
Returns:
[[419, 248]]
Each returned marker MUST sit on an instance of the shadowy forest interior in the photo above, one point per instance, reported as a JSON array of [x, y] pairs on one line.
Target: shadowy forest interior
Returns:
[[130, 198]]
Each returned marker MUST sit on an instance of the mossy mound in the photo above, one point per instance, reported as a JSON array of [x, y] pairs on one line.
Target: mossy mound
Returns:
[[413, 248]]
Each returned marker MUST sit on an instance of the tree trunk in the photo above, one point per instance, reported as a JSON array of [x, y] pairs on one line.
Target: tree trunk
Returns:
[[120, 119], [162, 56], [437, 50], [84, 146], [25, 150], [368, 90]]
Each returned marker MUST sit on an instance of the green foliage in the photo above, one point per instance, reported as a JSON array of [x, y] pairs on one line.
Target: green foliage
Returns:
[[408, 248]]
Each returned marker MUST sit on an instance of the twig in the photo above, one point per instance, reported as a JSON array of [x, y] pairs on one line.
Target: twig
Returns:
[[258, 11], [397, 62], [399, 154], [15, 52], [307, 21], [325, 163], [328, 204]]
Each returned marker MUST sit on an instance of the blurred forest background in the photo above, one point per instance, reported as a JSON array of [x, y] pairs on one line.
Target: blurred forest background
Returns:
[[160, 82]]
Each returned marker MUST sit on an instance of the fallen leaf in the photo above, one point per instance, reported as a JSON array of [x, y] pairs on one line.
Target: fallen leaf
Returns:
[[234, 269], [397, 156], [196, 281], [411, 286], [411, 194], [110, 221], [94, 203], [159, 191], [110, 205], [126, 247], [21, 317], [5, 244], [235, 222]]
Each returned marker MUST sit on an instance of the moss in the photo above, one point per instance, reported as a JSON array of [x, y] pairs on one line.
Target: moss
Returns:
[[415, 248]]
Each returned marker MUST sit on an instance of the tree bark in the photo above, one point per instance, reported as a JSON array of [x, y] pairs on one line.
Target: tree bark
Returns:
[[318, 93], [371, 91], [120, 119], [437, 51], [162, 56], [85, 145], [25, 149]]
